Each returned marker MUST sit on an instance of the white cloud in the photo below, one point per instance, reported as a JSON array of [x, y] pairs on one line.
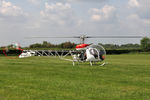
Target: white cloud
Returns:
[[143, 10], [141, 7], [58, 19], [8, 9], [133, 3], [135, 25], [87, 0], [58, 13], [90, 1], [104, 14], [134, 18], [35, 2], [96, 17]]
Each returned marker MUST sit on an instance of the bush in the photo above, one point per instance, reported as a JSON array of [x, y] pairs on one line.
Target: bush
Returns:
[[145, 44]]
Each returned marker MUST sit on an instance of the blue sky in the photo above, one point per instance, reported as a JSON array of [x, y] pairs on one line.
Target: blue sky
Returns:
[[24, 18]]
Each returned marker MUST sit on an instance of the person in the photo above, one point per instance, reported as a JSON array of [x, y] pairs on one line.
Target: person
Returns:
[[94, 52], [82, 56]]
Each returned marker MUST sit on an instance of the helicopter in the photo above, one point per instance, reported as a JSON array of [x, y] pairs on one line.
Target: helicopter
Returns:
[[26, 53], [88, 52]]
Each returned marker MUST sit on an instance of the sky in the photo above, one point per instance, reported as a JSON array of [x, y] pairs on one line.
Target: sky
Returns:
[[46, 18]]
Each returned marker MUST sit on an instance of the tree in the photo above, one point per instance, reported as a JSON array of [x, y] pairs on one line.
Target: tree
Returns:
[[37, 45], [45, 44], [67, 45], [145, 44], [130, 46]]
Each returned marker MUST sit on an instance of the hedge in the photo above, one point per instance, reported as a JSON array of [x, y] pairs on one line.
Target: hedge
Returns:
[[17, 52], [123, 51], [10, 53]]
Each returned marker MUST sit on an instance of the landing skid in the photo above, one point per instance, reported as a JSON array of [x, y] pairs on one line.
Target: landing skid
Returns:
[[91, 63]]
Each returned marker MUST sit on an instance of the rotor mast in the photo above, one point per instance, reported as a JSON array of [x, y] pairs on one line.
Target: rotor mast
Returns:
[[82, 38]]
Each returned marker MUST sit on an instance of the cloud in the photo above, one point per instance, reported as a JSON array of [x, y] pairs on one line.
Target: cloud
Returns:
[[105, 14], [133, 3], [35, 2], [8, 9], [133, 24], [58, 13], [91, 1], [135, 19], [72, 17], [88, 0], [141, 8]]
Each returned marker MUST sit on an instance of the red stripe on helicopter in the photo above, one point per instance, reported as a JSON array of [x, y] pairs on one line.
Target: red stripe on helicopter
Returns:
[[81, 46]]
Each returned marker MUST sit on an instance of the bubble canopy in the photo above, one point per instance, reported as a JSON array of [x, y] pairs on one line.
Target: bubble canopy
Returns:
[[100, 48]]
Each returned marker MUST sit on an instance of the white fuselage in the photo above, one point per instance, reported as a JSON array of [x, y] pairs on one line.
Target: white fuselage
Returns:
[[27, 54]]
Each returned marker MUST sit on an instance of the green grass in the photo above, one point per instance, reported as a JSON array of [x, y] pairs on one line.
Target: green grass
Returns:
[[125, 77]]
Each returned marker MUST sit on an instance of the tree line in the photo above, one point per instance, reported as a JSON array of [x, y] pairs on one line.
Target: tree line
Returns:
[[144, 45], [46, 44], [70, 45]]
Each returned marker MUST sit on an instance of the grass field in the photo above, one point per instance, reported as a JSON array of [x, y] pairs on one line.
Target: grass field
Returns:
[[125, 77]]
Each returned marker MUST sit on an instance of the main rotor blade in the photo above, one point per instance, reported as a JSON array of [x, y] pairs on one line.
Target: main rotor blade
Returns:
[[53, 37], [89, 37], [115, 36]]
